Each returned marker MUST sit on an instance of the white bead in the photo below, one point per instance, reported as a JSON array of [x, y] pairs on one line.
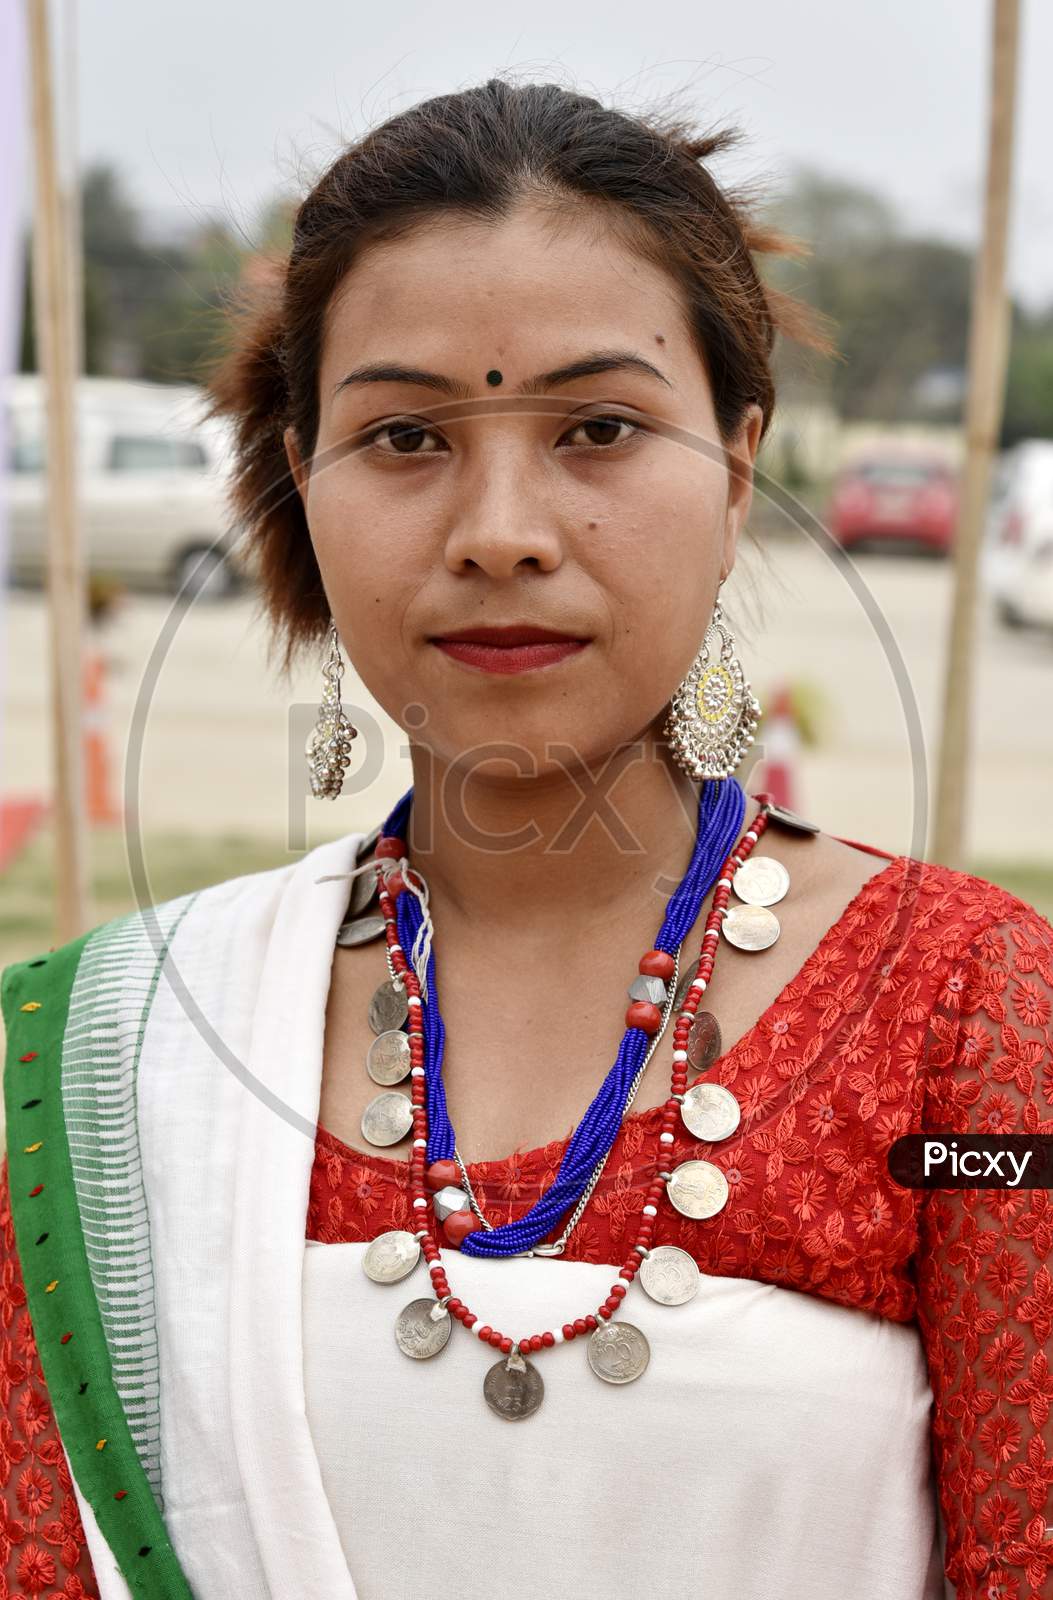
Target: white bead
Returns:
[[751, 835], [420, 1202], [394, 945], [679, 1055], [420, 1144], [665, 1138], [413, 1000], [700, 983], [650, 1211], [723, 883], [416, 1072], [710, 933], [557, 1335]]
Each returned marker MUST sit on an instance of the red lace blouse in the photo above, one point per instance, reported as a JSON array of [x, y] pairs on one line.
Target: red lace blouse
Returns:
[[927, 1005]]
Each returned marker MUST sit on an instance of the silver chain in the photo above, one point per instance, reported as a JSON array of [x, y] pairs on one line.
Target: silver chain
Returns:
[[556, 1247]]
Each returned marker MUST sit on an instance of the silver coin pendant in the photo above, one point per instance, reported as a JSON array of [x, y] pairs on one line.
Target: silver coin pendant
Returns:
[[360, 930], [790, 819], [363, 893], [513, 1387], [710, 1111], [703, 1041], [389, 1006], [388, 1058], [618, 1352], [418, 1333], [698, 1189], [750, 927], [387, 1118], [669, 1275], [391, 1256], [761, 881]]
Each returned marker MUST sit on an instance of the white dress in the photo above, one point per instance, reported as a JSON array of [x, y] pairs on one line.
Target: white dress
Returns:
[[777, 1447]]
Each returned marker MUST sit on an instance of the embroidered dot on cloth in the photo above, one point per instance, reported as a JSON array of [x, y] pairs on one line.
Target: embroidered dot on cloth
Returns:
[[948, 1029]]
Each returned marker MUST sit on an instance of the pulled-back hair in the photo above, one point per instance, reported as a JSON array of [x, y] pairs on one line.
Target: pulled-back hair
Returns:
[[478, 153]]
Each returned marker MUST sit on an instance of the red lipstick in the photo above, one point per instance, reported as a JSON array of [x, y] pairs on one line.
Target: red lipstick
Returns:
[[515, 647]]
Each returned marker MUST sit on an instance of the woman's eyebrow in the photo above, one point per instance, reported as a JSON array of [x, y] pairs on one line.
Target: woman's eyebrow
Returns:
[[587, 367]]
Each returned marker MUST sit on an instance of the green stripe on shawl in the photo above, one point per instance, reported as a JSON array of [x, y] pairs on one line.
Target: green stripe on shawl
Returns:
[[35, 997]]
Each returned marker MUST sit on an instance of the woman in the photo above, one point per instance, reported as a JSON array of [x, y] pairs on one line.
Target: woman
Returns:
[[513, 377]]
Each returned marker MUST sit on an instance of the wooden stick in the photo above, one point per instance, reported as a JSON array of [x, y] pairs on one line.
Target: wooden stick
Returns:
[[66, 588], [988, 355]]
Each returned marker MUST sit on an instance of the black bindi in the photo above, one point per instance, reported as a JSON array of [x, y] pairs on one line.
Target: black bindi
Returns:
[[493, 376]]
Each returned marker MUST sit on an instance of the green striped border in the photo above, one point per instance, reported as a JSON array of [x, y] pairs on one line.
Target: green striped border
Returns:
[[50, 1242], [106, 1020]]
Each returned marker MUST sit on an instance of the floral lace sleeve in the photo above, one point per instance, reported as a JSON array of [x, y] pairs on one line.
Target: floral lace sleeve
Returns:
[[43, 1550], [985, 1291]]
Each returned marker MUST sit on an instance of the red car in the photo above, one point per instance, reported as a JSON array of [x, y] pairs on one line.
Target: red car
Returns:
[[911, 499]]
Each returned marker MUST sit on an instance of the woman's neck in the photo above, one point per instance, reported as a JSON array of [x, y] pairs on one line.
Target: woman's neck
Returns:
[[553, 853]]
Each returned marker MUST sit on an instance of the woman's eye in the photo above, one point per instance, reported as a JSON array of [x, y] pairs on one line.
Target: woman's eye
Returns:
[[603, 429], [405, 437]]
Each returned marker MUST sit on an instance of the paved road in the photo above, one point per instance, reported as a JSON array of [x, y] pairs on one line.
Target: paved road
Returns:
[[215, 753]]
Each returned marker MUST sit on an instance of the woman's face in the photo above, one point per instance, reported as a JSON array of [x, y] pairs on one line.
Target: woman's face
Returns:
[[439, 506]]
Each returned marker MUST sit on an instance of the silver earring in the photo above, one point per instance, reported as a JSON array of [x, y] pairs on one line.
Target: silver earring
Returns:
[[329, 745], [713, 715]]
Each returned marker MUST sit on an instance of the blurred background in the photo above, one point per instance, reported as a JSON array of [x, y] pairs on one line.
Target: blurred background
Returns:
[[190, 131]]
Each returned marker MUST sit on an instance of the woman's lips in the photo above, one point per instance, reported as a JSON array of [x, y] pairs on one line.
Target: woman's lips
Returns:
[[510, 657]]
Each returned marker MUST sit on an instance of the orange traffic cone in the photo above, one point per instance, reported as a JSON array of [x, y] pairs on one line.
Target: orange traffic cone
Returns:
[[781, 745], [101, 805]]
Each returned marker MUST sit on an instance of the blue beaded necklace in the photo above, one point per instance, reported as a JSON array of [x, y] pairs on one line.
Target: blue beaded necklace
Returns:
[[721, 808]]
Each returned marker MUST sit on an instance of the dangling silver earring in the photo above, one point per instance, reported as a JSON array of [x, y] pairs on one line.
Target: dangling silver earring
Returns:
[[329, 745], [713, 715]]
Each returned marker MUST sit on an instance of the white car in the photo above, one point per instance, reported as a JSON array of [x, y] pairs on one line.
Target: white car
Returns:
[[1018, 549], [152, 477]]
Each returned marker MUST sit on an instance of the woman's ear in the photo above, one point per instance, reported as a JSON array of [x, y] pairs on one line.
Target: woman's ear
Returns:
[[741, 454]]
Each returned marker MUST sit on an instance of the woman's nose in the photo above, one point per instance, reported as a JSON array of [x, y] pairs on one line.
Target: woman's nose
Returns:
[[503, 532]]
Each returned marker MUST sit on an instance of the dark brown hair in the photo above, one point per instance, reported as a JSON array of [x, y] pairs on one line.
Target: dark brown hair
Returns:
[[478, 153]]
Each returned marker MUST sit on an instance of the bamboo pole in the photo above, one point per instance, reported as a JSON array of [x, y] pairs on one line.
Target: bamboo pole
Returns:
[[988, 356], [56, 343]]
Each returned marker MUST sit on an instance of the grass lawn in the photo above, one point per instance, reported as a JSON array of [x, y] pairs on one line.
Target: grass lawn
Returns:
[[177, 863]]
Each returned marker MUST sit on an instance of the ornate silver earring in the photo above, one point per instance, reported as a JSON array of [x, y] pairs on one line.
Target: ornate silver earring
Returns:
[[713, 715], [329, 745]]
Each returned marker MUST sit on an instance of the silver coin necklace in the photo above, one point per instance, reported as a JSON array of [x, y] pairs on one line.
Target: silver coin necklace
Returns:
[[617, 1351]]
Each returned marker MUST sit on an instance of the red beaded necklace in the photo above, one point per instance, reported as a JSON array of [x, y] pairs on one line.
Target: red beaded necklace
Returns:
[[618, 1352]]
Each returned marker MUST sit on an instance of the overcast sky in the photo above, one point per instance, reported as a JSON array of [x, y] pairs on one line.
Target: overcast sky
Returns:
[[208, 107]]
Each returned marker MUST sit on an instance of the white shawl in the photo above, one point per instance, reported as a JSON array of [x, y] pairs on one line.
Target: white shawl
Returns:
[[229, 1083]]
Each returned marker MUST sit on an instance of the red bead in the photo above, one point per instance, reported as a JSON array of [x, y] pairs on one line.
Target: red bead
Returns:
[[396, 883], [506, 1345], [458, 1225], [391, 847], [657, 964], [642, 1014], [569, 1330], [548, 1340], [440, 1174], [484, 1333], [580, 1325]]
